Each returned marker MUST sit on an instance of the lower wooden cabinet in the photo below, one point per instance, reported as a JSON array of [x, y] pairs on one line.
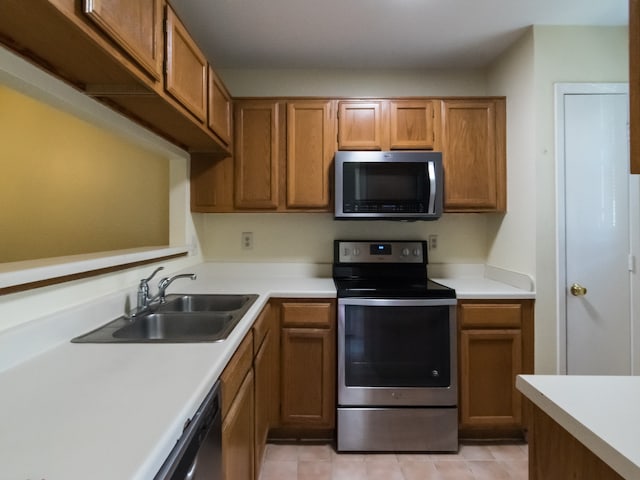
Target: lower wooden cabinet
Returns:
[[238, 434], [495, 345], [307, 365], [265, 365]]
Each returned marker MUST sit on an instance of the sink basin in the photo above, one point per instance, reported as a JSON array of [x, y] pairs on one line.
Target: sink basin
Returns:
[[205, 303], [177, 327], [182, 318]]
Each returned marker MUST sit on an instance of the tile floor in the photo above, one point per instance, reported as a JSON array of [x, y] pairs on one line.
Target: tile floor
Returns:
[[321, 462]]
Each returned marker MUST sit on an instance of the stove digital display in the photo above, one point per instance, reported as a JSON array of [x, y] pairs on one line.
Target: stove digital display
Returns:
[[380, 249]]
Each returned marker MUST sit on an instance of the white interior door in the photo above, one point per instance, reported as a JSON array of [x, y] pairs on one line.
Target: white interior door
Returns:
[[597, 234]]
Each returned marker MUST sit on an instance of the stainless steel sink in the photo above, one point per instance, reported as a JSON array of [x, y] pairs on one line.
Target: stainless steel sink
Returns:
[[204, 303], [182, 319], [177, 326]]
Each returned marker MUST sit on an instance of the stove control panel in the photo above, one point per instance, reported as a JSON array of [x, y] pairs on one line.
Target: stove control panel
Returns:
[[380, 252]]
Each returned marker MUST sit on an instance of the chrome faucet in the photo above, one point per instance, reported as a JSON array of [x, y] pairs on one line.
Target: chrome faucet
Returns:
[[145, 300], [166, 281], [143, 291]]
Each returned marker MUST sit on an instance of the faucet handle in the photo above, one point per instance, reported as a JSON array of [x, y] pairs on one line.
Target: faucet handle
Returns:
[[146, 280]]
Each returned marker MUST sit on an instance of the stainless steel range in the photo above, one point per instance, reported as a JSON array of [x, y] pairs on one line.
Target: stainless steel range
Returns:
[[397, 388]]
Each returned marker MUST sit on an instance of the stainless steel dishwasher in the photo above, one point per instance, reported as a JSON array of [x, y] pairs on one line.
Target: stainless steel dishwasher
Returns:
[[198, 453]]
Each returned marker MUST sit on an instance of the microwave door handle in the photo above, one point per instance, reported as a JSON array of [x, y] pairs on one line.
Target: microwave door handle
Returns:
[[432, 187]]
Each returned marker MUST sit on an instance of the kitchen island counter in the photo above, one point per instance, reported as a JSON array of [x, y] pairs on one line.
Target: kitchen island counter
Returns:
[[600, 412]]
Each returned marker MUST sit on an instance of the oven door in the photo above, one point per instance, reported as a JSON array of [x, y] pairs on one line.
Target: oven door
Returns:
[[397, 352]]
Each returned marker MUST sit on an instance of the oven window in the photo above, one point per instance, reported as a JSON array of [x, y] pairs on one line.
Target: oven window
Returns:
[[397, 346]]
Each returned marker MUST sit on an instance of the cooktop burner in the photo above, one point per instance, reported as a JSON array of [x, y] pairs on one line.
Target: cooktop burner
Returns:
[[384, 269]]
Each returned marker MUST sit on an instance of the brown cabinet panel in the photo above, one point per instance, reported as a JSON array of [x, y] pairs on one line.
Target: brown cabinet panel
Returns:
[[308, 377], [490, 361], [220, 108], [264, 364], [491, 315], [235, 371], [555, 454], [362, 126], [310, 149], [412, 124], [474, 156], [308, 314], [495, 345], [238, 434], [186, 68], [134, 26], [211, 183], [257, 154]]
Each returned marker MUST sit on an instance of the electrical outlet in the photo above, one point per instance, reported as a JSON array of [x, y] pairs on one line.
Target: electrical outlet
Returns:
[[247, 241], [433, 242]]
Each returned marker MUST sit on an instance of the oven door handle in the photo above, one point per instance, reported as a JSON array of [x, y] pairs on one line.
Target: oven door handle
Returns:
[[398, 302]]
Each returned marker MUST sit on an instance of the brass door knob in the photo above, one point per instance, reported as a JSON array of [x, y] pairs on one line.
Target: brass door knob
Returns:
[[578, 290]]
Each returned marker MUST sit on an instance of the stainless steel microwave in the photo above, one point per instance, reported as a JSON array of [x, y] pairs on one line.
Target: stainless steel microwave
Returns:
[[377, 185]]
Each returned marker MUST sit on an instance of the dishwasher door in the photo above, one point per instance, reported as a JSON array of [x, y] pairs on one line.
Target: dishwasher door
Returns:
[[198, 453]]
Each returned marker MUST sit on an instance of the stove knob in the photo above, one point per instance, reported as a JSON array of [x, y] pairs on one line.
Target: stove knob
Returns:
[[416, 252], [405, 252], [356, 252]]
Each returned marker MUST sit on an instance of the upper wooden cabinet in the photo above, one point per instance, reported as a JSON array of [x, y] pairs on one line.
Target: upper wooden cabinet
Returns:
[[387, 125], [186, 68], [220, 108], [360, 125], [412, 124], [474, 155], [283, 151], [135, 26], [310, 149], [258, 157], [113, 51], [634, 84]]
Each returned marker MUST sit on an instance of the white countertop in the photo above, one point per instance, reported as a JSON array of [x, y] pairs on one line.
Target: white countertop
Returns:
[[73, 411], [602, 412]]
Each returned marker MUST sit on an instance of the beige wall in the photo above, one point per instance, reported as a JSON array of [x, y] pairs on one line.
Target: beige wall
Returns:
[[354, 83], [119, 135], [292, 237], [562, 54], [525, 239], [68, 187]]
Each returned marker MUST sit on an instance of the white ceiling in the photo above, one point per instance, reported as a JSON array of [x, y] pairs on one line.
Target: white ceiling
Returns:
[[434, 34]]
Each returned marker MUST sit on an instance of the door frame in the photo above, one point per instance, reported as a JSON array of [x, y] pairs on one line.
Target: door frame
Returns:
[[560, 90]]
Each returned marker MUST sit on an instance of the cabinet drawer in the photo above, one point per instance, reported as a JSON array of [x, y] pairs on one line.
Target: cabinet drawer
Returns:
[[308, 314], [236, 371], [490, 315], [261, 327]]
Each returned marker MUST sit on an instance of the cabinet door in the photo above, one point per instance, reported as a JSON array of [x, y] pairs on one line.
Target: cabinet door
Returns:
[[135, 26], [310, 149], [489, 362], [412, 124], [257, 154], [186, 68], [237, 435], [361, 126], [219, 108], [473, 155], [263, 367], [308, 377], [211, 183]]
